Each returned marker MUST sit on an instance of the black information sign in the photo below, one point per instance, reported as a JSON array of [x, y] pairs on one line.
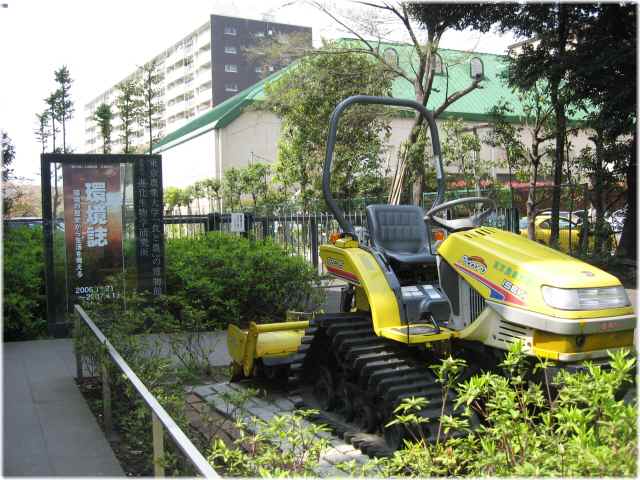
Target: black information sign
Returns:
[[149, 228], [92, 208]]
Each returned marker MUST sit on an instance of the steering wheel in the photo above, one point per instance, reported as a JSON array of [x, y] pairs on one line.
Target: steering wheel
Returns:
[[461, 223]]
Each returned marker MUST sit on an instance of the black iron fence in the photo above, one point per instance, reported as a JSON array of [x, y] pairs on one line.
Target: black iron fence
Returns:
[[298, 233], [580, 233]]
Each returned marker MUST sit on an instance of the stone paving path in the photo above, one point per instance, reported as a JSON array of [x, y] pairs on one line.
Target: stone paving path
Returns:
[[48, 429], [338, 451]]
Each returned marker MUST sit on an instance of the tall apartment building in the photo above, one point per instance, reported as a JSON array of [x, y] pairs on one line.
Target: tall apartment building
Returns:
[[200, 71]]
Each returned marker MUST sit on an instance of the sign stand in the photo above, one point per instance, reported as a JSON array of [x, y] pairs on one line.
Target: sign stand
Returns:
[[149, 227]]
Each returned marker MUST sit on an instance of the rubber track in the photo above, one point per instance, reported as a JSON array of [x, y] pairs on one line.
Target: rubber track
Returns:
[[384, 370]]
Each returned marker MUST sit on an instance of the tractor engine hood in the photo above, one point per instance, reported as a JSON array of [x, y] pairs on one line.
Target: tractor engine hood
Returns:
[[509, 269]]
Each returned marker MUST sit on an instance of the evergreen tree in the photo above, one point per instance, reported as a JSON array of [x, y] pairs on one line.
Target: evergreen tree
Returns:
[[7, 156], [128, 107], [152, 107], [424, 24], [254, 180], [103, 117], [53, 106], [212, 190], [64, 104], [52, 110], [603, 74], [304, 98], [232, 188], [42, 131], [547, 58]]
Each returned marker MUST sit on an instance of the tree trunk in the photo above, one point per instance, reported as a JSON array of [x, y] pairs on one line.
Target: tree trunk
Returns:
[[419, 167], [53, 130], [559, 110], [510, 179], [628, 242], [398, 181], [531, 199], [125, 128], [64, 135], [598, 193]]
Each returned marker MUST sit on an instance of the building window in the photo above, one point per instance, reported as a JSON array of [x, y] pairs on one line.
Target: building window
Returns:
[[476, 68], [270, 32], [230, 49], [436, 65], [230, 67], [230, 31], [204, 105], [258, 69], [391, 56], [204, 87], [230, 87], [259, 34]]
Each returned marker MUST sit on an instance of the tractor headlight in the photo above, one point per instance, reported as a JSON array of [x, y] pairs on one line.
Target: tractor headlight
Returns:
[[585, 298]]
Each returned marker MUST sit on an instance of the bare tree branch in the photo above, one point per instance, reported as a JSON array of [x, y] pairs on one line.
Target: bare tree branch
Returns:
[[455, 97]]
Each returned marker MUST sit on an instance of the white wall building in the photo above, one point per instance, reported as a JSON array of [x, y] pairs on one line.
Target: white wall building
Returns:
[[232, 135], [203, 69]]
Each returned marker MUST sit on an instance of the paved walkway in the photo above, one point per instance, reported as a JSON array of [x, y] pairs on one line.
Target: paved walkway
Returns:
[[48, 429]]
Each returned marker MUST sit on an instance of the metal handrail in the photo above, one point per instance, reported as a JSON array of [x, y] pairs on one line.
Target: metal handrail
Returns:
[[160, 417]]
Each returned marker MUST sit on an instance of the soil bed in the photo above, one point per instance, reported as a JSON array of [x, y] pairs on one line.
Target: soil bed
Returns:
[[131, 460]]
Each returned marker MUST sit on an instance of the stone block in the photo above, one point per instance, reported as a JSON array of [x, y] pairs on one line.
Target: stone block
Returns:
[[203, 391], [284, 404]]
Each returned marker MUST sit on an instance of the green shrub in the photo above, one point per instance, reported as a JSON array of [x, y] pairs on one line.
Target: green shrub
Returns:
[[23, 291], [235, 280], [575, 428], [285, 446]]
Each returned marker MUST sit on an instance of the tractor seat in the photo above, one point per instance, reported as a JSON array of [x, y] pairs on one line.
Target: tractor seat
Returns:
[[399, 232]]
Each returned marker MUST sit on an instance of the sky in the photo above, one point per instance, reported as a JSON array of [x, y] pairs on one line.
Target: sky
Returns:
[[102, 41]]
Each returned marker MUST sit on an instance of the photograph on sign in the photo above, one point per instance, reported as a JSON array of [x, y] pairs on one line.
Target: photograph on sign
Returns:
[[93, 229]]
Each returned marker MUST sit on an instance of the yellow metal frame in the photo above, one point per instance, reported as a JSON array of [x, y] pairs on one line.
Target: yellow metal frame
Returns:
[[501, 266], [554, 347], [267, 340], [358, 267], [510, 269], [414, 339]]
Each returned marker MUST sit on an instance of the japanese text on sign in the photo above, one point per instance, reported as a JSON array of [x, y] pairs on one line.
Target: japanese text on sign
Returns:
[[77, 232], [149, 225], [96, 214]]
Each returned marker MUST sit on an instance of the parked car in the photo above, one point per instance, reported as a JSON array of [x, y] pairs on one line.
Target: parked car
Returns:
[[569, 238], [576, 216], [570, 232], [616, 219]]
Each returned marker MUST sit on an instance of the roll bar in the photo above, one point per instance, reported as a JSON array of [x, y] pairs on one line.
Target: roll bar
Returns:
[[346, 226]]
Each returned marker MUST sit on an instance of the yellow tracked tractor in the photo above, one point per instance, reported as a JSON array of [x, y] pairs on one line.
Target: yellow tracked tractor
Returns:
[[411, 301]]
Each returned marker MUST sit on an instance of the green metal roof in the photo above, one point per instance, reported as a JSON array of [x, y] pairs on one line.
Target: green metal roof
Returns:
[[219, 117], [472, 107]]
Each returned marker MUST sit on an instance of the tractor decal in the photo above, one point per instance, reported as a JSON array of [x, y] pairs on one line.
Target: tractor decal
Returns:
[[350, 277], [475, 263], [497, 292]]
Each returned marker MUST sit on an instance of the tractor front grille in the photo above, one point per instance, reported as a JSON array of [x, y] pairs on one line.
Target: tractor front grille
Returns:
[[510, 332], [476, 304]]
